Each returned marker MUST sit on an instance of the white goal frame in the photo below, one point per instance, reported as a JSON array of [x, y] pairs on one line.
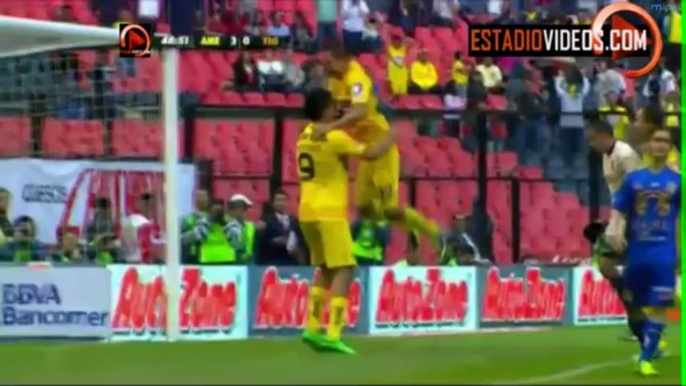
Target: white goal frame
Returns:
[[27, 36]]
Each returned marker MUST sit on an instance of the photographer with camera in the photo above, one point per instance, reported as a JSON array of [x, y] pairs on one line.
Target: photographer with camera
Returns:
[[101, 234], [212, 233], [23, 247]]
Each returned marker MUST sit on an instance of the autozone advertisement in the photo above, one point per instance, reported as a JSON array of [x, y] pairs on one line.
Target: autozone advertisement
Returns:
[[523, 296], [418, 300], [58, 192], [69, 302], [213, 303], [279, 299], [595, 301]]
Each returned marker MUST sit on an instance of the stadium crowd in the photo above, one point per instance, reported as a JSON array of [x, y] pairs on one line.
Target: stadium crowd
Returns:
[[537, 110]]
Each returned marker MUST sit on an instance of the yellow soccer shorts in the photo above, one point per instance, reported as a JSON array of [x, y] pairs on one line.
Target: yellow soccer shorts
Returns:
[[378, 182], [330, 243]]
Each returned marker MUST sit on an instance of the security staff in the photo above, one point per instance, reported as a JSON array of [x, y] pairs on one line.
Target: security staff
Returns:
[[191, 248], [212, 233], [241, 231], [370, 240]]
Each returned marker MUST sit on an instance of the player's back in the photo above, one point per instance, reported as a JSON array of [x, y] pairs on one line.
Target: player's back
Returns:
[[355, 87], [653, 200], [323, 178]]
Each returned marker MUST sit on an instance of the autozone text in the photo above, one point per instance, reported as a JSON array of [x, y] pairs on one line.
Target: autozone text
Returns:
[[529, 298], [431, 301], [282, 303], [203, 307]]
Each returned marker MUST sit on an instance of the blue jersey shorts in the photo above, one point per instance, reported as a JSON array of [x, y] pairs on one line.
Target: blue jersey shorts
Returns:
[[650, 284]]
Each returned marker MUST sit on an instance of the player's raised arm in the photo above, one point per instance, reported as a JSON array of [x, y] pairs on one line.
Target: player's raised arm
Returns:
[[320, 108], [343, 144]]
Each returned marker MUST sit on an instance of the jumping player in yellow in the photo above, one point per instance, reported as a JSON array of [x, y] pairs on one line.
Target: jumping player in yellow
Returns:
[[377, 181], [323, 216]]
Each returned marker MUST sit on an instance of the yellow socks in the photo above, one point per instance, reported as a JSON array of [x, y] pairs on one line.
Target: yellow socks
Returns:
[[315, 308], [337, 317], [415, 221]]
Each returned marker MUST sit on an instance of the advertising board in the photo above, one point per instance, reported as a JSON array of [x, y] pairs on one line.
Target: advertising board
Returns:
[[595, 301], [521, 295], [69, 302], [212, 306], [279, 299], [419, 300]]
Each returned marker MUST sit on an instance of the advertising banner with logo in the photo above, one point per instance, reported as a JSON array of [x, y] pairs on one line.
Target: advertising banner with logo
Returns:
[[420, 300], [55, 302], [595, 301], [58, 192], [279, 297], [518, 295], [212, 306]]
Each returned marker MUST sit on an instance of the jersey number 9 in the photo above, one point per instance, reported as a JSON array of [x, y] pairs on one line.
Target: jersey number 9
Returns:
[[306, 166]]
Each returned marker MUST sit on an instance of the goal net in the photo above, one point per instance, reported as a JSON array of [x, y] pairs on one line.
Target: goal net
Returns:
[[89, 145]]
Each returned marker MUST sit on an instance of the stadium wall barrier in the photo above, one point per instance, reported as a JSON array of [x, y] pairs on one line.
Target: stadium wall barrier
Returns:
[[58, 192], [524, 296], [422, 300], [278, 301], [213, 303], [595, 301], [51, 303]]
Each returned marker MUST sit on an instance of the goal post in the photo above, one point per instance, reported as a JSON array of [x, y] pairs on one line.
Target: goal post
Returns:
[[22, 37]]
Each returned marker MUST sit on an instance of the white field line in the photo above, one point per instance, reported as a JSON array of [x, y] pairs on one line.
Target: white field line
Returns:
[[566, 374], [570, 373]]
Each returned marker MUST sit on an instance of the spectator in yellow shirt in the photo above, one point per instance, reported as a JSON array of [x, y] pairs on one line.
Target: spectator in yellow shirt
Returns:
[[459, 74], [423, 75], [397, 69], [491, 74], [615, 114]]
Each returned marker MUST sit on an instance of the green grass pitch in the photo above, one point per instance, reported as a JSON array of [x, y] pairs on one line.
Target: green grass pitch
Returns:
[[581, 355]]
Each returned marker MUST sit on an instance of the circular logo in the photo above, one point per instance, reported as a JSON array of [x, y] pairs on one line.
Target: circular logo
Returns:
[[610, 10], [135, 40]]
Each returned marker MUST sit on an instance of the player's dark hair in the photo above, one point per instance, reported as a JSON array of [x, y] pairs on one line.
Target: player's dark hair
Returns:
[[660, 129], [654, 115], [601, 126], [316, 103], [338, 51]]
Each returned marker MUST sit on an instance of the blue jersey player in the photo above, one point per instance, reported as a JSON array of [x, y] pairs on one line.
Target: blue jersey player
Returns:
[[649, 201]]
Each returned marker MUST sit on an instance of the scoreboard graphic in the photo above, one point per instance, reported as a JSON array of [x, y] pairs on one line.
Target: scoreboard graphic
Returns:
[[136, 40]]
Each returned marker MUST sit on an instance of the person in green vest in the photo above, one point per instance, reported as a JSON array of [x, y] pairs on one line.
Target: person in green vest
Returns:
[[190, 246], [23, 247], [212, 236], [241, 231], [370, 239], [68, 250]]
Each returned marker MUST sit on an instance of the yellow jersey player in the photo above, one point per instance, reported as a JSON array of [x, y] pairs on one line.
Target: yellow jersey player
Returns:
[[377, 181], [323, 216]]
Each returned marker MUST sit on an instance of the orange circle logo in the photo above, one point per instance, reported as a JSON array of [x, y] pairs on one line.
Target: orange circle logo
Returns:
[[135, 40], [607, 12]]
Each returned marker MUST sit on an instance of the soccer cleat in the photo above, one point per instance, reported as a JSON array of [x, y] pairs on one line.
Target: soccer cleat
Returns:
[[327, 344], [646, 369], [314, 340]]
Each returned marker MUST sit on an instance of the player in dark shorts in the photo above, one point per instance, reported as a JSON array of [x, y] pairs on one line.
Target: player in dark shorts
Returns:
[[610, 264]]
